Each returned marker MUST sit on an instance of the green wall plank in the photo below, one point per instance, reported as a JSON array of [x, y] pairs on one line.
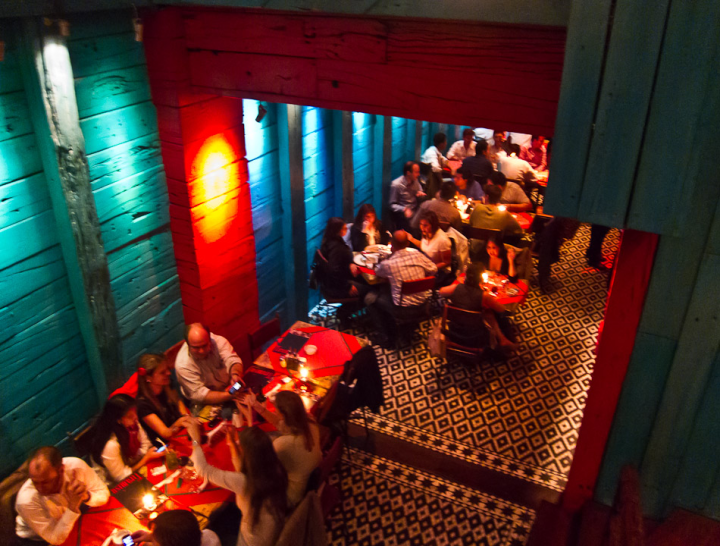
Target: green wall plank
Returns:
[[100, 54], [20, 158], [126, 159], [28, 237], [622, 111], [111, 90], [584, 58], [14, 115], [23, 199], [118, 126]]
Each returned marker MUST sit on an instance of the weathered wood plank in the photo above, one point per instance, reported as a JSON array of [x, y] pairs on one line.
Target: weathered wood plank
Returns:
[[97, 24], [10, 77], [28, 275], [28, 237], [689, 66], [639, 401], [296, 36], [584, 59], [14, 115], [93, 56], [615, 346], [348, 179], [293, 205], [23, 199], [54, 111], [20, 158], [118, 126], [378, 164], [111, 90], [119, 162], [697, 348], [622, 111]]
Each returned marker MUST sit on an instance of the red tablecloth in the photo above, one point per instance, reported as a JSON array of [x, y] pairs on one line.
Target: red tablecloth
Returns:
[[333, 350], [523, 218]]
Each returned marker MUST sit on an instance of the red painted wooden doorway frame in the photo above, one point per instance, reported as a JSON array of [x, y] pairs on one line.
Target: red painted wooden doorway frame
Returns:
[[386, 66]]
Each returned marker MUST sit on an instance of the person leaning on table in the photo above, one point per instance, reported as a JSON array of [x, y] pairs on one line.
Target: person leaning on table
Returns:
[[176, 528], [206, 365], [48, 504]]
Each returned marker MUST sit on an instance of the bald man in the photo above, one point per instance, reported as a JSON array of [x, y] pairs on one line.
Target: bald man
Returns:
[[48, 504], [206, 366]]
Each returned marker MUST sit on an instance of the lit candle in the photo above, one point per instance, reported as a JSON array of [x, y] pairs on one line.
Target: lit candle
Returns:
[[303, 373], [149, 502], [502, 207], [485, 277]]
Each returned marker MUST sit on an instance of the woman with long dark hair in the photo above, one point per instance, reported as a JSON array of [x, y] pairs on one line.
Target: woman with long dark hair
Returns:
[[120, 445], [176, 528], [367, 229], [159, 407], [259, 483], [495, 257], [298, 446]]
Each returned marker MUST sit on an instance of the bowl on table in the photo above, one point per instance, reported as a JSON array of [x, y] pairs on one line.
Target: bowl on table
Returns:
[[310, 350]]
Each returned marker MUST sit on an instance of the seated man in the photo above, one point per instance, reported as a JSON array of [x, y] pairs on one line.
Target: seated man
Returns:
[[536, 154], [463, 148], [467, 186], [513, 196], [498, 149], [48, 504], [489, 216], [433, 155], [442, 206], [404, 194], [479, 164], [514, 168], [206, 365], [405, 264]]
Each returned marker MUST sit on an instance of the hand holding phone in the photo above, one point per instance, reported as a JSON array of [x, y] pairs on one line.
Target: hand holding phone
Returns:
[[235, 387], [128, 540]]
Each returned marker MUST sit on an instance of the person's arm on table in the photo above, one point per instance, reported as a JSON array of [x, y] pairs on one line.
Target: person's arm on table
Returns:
[[116, 467], [269, 416], [53, 531], [234, 445], [155, 423], [232, 481], [230, 358], [519, 207], [97, 492], [511, 255], [447, 291]]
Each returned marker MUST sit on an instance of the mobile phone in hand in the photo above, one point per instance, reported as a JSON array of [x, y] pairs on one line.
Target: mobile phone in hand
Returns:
[[128, 541], [235, 387]]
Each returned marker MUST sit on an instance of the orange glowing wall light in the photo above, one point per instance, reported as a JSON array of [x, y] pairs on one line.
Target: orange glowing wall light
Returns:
[[214, 202]]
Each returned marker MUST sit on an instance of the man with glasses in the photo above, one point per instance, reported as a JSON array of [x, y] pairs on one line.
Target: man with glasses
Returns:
[[206, 366]]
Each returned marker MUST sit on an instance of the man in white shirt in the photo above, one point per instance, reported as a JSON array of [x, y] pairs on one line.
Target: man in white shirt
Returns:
[[206, 365], [514, 168], [497, 151], [48, 504], [463, 148], [433, 155]]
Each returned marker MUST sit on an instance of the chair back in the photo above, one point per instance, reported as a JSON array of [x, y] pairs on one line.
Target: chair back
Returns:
[[330, 459], [415, 287], [172, 352], [9, 488], [262, 335], [82, 441], [482, 234], [469, 320], [444, 225]]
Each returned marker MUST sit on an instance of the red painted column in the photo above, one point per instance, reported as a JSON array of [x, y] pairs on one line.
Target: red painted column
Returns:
[[623, 310], [203, 150]]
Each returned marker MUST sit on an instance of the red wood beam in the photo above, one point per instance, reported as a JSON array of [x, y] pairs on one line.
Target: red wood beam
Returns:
[[633, 268], [202, 140]]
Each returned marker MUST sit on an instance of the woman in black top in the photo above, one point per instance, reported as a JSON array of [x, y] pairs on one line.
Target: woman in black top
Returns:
[[367, 229], [495, 257], [160, 409], [472, 297], [338, 278]]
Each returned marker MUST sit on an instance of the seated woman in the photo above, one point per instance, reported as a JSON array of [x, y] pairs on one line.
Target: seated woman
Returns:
[[497, 258], [120, 445], [472, 297], [436, 245], [298, 447], [259, 483], [367, 229], [176, 528], [160, 409]]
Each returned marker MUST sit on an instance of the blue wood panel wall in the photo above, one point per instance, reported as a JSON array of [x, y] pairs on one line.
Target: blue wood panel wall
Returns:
[[320, 187], [128, 180], [44, 375], [261, 145], [399, 147], [363, 150]]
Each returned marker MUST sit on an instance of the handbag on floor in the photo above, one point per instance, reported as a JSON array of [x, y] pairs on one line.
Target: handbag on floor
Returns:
[[436, 339]]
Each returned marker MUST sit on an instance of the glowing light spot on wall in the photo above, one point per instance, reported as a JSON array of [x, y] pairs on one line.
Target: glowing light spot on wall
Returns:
[[215, 188]]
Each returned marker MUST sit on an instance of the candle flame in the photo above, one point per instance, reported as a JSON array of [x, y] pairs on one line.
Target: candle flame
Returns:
[[148, 501], [303, 372]]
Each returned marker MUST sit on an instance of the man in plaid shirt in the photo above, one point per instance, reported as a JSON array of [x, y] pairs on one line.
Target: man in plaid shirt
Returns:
[[405, 264]]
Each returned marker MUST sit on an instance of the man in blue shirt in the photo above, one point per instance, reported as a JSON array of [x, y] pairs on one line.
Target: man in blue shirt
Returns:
[[467, 186]]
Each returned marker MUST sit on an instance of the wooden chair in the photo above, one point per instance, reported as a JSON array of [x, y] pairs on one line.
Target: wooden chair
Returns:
[[172, 352], [266, 332], [481, 234], [330, 496], [416, 286], [322, 265], [406, 325], [81, 441], [469, 320], [9, 488]]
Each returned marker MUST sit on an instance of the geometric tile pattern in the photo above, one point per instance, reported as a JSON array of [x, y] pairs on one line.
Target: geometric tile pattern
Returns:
[[526, 409], [389, 503]]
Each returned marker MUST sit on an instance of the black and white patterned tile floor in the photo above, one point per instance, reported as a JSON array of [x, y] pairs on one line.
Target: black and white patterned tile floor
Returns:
[[389, 503]]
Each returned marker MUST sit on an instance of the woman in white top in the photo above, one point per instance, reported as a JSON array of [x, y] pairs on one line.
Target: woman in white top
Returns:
[[436, 245], [176, 528], [298, 446], [259, 483], [120, 444]]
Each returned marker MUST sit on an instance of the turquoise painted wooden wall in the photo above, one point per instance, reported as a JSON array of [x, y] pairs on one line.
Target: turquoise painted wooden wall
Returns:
[[261, 145], [649, 123], [44, 374], [119, 123], [363, 165]]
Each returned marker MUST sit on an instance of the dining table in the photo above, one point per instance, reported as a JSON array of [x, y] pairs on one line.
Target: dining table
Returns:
[[96, 524], [508, 294], [367, 260]]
